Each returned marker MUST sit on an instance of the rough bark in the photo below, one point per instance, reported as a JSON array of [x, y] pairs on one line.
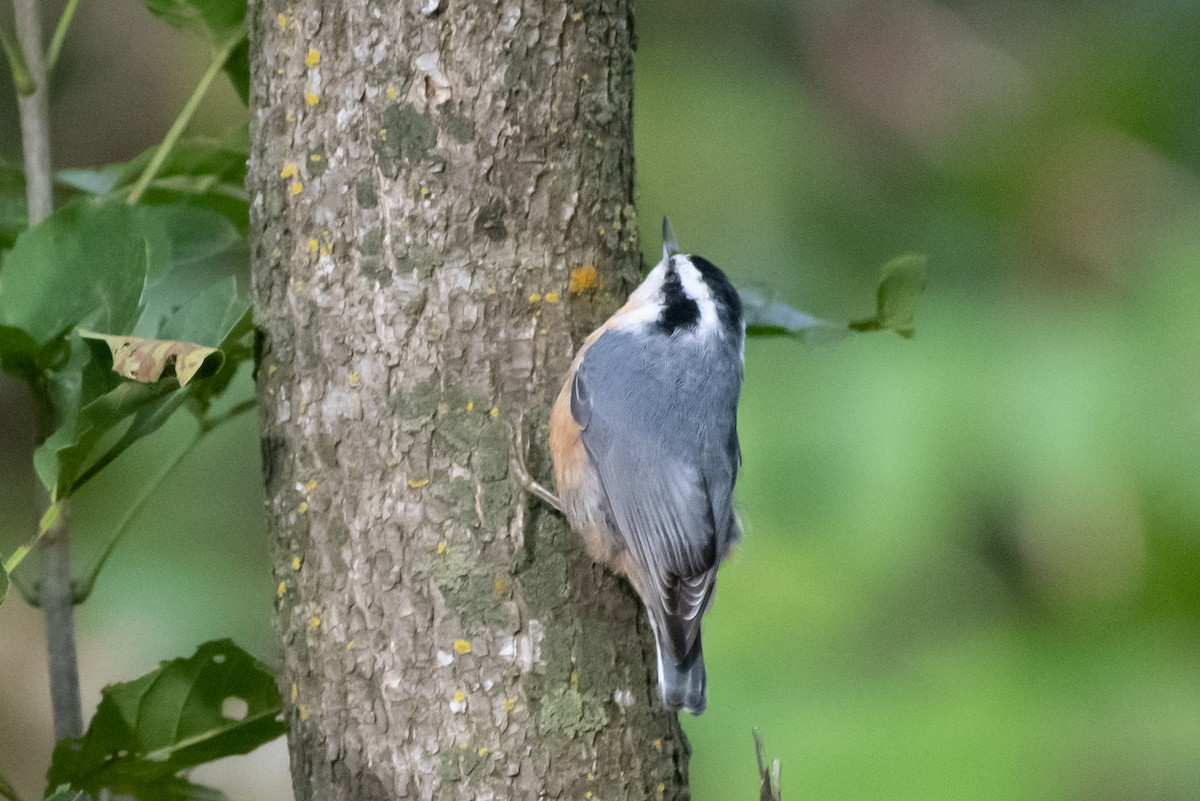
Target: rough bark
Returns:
[[441, 209]]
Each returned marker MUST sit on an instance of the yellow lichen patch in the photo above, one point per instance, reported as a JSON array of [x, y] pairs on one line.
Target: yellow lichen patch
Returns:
[[391, 93], [442, 546], [281, 589], [311, 485], [418, 484], [574, 680], [315, 157], [295, 692], [460, 696], [303, 403], [551, 297], [302, 508], [281, 21], [355, 379], [424, 191], [350, 645], [662, 788], [602, 230], [583, 278], [495, 412], [289, 170], [462, 646], [509, 704], [299, 286], [303, 713], [536, 297], [313, 58], [499, 586], [588, 794], [483, 751], [295, 563], [313, 246], [591, 777], [470, 406], [272, 369], [586, 78], [311, 98], [297, 187], [658, 744], [491, 292], [553, 129], [578, 15], [383, 134], [314, 622]]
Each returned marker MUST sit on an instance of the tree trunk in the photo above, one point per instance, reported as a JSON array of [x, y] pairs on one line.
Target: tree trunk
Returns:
[[442, 207]]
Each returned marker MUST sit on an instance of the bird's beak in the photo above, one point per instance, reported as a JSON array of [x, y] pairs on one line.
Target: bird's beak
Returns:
[[670, 245]]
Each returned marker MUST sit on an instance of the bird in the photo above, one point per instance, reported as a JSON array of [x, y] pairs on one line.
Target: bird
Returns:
[[644, 444]]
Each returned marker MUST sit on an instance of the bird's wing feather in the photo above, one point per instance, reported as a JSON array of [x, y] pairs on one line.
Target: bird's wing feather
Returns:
[[668, 478]]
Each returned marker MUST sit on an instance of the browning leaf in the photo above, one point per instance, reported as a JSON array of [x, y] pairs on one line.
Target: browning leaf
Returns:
[[144, 360]]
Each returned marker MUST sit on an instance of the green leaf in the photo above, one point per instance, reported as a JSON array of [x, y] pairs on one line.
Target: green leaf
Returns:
[[766, 316], [3, 593], [65, 793], [217, 703], [901, 282], [94, 182], [152, 272], [13, 214], [201, 171], [83, 264], [217, 21], [237, 67], [18, 353]]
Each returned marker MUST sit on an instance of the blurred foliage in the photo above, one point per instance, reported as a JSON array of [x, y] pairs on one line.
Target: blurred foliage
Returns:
[[218, 702], [972, 562]]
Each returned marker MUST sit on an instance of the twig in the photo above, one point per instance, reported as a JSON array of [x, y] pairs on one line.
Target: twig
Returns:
[[181, 122], [55, 592], [60, 33], [769, 788]]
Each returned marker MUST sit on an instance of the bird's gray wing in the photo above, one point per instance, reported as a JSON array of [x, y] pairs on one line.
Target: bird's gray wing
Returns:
[[664, 444]]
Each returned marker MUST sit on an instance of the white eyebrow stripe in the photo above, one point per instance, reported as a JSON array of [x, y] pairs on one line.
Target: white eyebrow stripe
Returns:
[[697, 290]]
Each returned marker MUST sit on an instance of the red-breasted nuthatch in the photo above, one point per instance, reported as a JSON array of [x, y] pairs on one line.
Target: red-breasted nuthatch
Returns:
[[644, 442]]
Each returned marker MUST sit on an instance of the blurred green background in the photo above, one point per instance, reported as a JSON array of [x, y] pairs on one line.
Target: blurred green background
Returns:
[[972, 562]]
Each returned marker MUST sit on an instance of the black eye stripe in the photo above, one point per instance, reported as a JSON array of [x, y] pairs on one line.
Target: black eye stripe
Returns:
[[679, 310]]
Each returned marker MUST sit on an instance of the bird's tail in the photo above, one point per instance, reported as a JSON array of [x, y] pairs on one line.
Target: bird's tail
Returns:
[[682, 685]]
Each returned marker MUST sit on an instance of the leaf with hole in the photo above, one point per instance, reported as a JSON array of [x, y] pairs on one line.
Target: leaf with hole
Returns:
[[217, 703]]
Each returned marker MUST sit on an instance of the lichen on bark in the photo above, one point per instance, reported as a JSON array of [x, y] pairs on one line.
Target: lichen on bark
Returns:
[[441, 210]]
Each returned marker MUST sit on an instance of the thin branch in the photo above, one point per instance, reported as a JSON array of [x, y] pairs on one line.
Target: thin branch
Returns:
[[35, 114], [60, 33], [181, 122], [55, 593]]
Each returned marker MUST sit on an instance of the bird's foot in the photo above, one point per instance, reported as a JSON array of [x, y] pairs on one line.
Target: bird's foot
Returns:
[[527, 481]]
